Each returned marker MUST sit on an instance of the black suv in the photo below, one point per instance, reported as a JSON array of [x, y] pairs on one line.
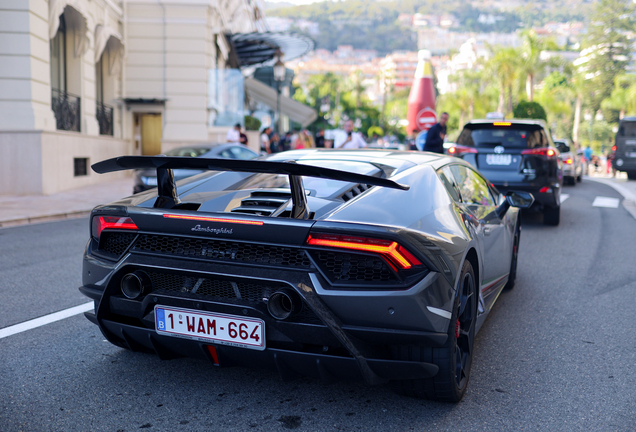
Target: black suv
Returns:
[[515, 155], [625, 147]]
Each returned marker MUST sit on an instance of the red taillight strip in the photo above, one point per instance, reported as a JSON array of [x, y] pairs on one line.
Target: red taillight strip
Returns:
[[459, 149], [100, 223], [393, 251], [543, 151], [213, 219]]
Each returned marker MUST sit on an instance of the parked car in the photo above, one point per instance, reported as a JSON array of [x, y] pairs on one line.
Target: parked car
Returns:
[[147, 178], [516, 155], [572, 163], [312, 262], [625, 151]]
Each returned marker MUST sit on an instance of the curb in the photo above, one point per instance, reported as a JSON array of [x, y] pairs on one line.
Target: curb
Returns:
[[43, 219]]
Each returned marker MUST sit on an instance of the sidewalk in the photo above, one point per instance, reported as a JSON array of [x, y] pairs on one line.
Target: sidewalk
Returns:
[[19, 210]]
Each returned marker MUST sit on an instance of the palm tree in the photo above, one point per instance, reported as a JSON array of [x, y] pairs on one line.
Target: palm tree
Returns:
[[505, 67], [530, 61]]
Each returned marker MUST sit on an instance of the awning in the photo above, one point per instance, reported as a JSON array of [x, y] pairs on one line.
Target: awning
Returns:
[[79, 21], [294, 110], [107, 37], [260, 48]]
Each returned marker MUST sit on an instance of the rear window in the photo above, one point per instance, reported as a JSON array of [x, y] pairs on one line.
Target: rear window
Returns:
[[188, 151], [515, 136], [627, 129]]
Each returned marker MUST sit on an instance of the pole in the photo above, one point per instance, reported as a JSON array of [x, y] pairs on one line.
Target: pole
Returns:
[[278, 123]]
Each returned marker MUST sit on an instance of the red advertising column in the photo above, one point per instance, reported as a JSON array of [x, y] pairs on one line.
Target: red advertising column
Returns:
[[421, 113]]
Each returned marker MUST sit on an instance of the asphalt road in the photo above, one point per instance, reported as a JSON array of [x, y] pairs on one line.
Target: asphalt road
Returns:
[[557, 353]]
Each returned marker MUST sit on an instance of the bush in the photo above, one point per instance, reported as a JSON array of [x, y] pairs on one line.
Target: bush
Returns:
[[529, 110], [252, 123]]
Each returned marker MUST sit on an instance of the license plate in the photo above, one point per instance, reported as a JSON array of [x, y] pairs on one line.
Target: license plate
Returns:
[[210, 327], [498, 159]]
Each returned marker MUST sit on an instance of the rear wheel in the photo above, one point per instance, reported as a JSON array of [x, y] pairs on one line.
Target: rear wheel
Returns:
[[552, 215], [631, 175], [579, 178], [454, 358], [513, 263]]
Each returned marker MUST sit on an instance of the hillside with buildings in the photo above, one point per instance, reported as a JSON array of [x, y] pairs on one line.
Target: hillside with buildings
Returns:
[[387, 26]]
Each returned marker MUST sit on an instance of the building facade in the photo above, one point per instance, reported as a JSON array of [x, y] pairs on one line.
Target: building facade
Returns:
[[86, 80]]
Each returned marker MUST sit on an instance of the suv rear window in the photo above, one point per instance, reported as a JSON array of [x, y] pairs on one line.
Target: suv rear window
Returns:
[[627, 129], [515, 136]]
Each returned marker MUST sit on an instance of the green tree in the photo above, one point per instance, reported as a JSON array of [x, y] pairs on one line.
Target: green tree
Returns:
[[607, 48], [529, 110], [505, 66]]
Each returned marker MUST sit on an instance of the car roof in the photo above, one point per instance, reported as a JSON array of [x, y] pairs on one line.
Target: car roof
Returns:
[[538, 122]]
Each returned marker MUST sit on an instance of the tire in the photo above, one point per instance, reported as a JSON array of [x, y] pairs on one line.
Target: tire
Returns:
[[552, 215], [579, 178], [454, 358], [631, 175], [515, 252]]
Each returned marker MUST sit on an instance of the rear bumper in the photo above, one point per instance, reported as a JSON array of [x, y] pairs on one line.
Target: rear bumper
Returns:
[[333, 346], [541, 199]]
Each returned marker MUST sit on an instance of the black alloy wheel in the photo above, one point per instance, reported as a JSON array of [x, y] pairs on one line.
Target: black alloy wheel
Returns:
[[552, 215], [515, 254], [466, 306], [454, 358]]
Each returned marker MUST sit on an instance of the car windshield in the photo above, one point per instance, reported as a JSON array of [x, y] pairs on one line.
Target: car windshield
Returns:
[[490, 136], [188, 151]]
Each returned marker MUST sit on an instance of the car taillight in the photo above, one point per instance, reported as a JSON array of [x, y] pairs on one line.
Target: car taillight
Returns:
[[543, 151], [392, 251], [100, 223], [459, 150], [568, 161], [613, 148]]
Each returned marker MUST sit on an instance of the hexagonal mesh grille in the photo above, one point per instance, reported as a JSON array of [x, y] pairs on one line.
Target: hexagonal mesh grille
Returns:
[[223, 250], [116, 243], [224, 290], [351, 268]]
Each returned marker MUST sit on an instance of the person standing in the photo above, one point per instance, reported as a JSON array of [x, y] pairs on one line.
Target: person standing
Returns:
[[265, 140], [320, 139], [436, 134], [234, 134], [349, 139]]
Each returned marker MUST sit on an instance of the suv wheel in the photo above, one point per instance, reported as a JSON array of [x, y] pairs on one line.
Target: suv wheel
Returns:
[[552, 215], [631, 175]]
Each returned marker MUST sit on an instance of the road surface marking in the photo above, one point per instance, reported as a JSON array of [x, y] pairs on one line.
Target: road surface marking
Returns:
[[564, 197], [600, 201], [44, 320]]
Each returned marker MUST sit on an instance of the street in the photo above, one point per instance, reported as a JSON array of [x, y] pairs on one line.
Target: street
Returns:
[[556, 353]]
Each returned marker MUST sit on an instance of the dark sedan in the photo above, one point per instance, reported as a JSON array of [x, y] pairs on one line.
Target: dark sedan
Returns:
[[147, 179]]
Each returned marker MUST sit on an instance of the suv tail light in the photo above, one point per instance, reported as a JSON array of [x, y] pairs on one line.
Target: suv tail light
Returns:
[[101, 223], [543, 151], [568, 161], [392, 251], [459, 150]]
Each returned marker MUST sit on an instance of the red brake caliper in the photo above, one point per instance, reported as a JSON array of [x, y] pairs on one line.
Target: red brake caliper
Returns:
[[457, 330]]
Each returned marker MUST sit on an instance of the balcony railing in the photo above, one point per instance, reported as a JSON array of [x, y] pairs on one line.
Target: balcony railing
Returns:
[[67, 109], [104, 115]]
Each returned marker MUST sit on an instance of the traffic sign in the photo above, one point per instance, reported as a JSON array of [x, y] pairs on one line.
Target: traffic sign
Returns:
[[426, 118]]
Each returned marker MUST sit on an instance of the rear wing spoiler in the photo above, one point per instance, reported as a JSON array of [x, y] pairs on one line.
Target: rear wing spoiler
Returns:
[[167, 189]]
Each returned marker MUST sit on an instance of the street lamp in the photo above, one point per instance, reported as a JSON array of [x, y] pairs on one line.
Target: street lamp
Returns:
[[279, 77]]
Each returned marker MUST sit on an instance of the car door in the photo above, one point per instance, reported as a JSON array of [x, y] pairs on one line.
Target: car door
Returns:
[[478, 199]]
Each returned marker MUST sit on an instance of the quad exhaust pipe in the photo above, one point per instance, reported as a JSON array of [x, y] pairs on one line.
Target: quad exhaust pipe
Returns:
[[135, 284], [283, 304]]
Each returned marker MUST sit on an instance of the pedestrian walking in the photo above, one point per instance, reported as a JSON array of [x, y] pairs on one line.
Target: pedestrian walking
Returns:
[[436, 134], [320, 139], [349, 138]]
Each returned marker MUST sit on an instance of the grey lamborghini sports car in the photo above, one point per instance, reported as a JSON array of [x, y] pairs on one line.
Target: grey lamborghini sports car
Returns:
[[372, 265]]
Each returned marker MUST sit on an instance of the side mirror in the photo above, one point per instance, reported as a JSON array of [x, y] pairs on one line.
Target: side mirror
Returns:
[[522, 200]]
